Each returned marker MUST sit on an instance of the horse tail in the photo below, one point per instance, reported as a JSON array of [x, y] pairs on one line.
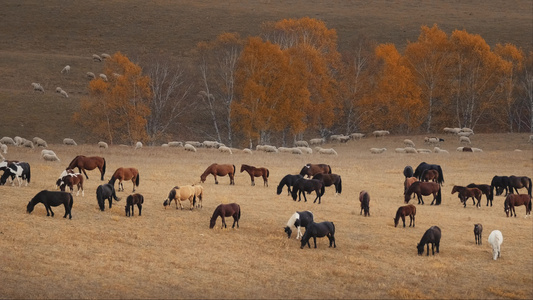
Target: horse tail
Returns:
[[240, 211], [528, 190], [137, 180], [268, 174], [439, 196], [103, 169], [29, 177], [441, 176], [322, 190], [332, 228], [194, 200], [100, 198], [115, 195], [340, 185], [234, 170], [329, 169]]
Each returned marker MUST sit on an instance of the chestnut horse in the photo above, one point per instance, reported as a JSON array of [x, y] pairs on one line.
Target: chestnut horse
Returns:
[[485, 189], [424, 189], [220, 170], [125, 174], [83, 163], [312, 169], [402, 212], [71, 180], [513, 200], [464, 193], [226, 210], [256, 172]]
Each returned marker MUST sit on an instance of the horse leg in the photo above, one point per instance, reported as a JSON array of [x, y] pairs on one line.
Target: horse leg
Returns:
[[252, 178], [427, 247], [85, 173], [412, 217], [140, 207], [47, 210], [403, 220], [216, 181], [314, 240], [110, 199], [223, 221], [265, 181], [52, 213]]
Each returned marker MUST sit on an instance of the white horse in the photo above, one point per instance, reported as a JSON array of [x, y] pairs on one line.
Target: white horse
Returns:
[[495, 240], [299, 219]]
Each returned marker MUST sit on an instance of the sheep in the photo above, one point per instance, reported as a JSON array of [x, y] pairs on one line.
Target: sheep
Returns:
[[466, 129], [39, 142], [246, 151], [105, 56], [317, 141], [211, 144], [423, 151], [66, 69], [328, 151], [46, 151], [175, 144], [37, 87], [411, 150], [91, 75], [195, 144], [64, 93], [266, 148], [284, 150], [357, 136], [465, 133], [138, 145], [432, 140], [340, 138], [103, 76], [301, 144], [7, 140], [28, 144], [408, 143], [476, 150], [49, 157], [102, 145], [189, 147], [380, 133], [225, 149], [97, 58], [58, 90], [377, 150], [164, 145], [399, 150], [19, 142], [439, 150], [530, 139], [3, 148], [464, 140], [452, 130], [306, 150], [296, 151], [69, 142], [464, 149]]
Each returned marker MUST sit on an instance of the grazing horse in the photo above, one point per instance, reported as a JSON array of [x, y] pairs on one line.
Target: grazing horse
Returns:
[[495, 240], [178, 194], [19, 170], [256, 172], [408, 182], [518, 182], [329, 180], [4, 163], [431, 236], [308, 185], [501, 183], [220, 170], [464, 193], [298, 219], [289, 181], [424, 189], [311, 170], [83, 163], [430, 175], [425, 166], [103, 192], [485, 189], [125, 174], [364, 198], [402, 212], [513, 200], [226, 210], [199, 194], [408, 171], [314, 230], [131, 201], [71, 180], [52, 198], [478, 231]]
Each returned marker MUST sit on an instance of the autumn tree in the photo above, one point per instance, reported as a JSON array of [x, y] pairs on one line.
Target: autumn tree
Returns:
[[526, 86], [117, 107]]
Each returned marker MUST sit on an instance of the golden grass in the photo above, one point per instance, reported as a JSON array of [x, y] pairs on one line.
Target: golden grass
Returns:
[[173, 253]]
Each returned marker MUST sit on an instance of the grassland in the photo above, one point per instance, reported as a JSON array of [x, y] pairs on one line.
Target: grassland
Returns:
[[173, 253]]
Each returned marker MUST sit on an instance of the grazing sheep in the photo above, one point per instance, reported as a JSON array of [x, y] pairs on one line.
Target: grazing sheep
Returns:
[[91, 75], [97, 58], [164, 145], [138, 145], [267, 148], [284, 150], [51, 157], [339, 138], [465, 133], [301, 144], [58, 90], [69, 142], [28, 144], [399, 150], [66, 69], [296, 151], [19, 142], [211, 144], [306, 150], [464, 149], [103, 76], [102, 145], [64, 93], [410, 150], [530, 139], [317, 141], [189, 147], [195, 144], [328, 151], [408, 143], [464, 140], [439, 150], [105, 56], [246, 151], [380, 133], [46, 151], [3, 148], [357, 136], [432, 141], [466, 129], [377, 150], [175, 144], [225, 149], [452, 130], [476, 150], [39, 142], [423, 151], [7, 140], [37, 87]]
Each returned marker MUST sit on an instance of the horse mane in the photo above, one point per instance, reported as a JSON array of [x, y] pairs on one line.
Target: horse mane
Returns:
[[71, 165]]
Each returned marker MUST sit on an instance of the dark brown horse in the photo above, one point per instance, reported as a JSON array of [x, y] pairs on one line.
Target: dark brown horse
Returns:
[[226, 210], [464, 193], [430, 175], [256, 172], [83, 163], [135, 199], [71, 180], [402, 212], [125, 174], [513, 200], [424, 189], [485, 189], [364, 198], [220, 170], [311, 170], [329, 180], [518, 182]]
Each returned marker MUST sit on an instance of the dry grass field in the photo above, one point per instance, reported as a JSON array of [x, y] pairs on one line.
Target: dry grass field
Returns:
[[173, 253]]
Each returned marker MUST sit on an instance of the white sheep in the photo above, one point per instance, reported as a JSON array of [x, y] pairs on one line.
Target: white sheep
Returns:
[[105, 56], [28, 144], [49, 157], [211, 144], [296, 151], [164, 145], [432, 141], [357, 136], [46, 151], [66, 69], [138, 145], [423, 151], [189, 147], [452, 130], [439, 150], [102, 145], [380, 133], [408, 143], [19, 142], [7, 140], [399, 150], [69, 142], [317, 141], [225, 149], [97, 58], [37, 87], [328, 151], [246, 151], [339, 138], [464, 140], [3, 148], [306, 150], [466, 129], [266, 148], [283, 149], [64, 93], [58, 90], [91, 75], [195, 144], [476, 150], [175, 144], [411, 150], [103, 76], [39, 142], [377, 150], [465, 133], [301, 144]]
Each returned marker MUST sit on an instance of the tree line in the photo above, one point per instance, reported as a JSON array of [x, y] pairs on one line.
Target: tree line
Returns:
[[292, 83]]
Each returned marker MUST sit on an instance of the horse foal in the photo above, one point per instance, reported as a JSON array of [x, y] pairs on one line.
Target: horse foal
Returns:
[[131, 201], [478, 230]]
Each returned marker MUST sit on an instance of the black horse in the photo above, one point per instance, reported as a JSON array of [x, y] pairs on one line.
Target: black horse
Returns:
[[103, 192], [431, 236], [314, 230], [425, 166], [485, 189], [52, 198], [329, 180], [288, 181], [501, 183], [308, 185], [131, 201], [298, 219], [518, 182], [408, 171]]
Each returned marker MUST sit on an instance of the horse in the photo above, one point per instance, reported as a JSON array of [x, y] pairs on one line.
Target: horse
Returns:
[[178, 194], [430, 175], [364, 198], [19, 170], [4, 163], [408, 182], [303, 185], [71, 180], [256, 172], [518, 182], [424, 188], [425, 166], [495, 240], [83, 163], [478, 230], [513, 200], [485, 189], [226, 210], [288, 181], [125, 174], [408, 171], [199, 194], [52, 198], [402, 212], [220, 170], [501, 183], [298, 219], [329, 180], [431, 236], [103, 192], [464, 193], [321, 229], [311, 170], [131, 201]]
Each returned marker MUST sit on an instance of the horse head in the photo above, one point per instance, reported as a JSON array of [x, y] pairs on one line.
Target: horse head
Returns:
[[288, 231]]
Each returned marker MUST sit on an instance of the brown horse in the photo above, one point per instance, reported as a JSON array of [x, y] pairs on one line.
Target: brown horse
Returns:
[[329, 180], [408, 182], [513, 200], [226, 210], [430, 175], [71, 180], [125, 174], [402, 212], [485, 189], [135, 199], [518, 182], [83, 163], [424, 188], [220, 170], [312, 169], [464, 193], [178, 194], [256, 172], [364, 198]]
